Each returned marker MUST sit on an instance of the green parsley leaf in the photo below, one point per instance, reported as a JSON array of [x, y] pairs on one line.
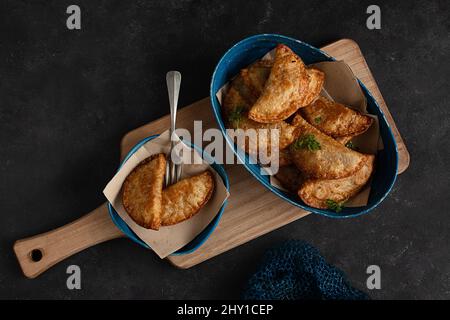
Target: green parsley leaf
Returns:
[[317, 120], [333, 205], [308, 141]]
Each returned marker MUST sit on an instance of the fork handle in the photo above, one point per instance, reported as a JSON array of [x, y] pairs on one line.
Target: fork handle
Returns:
[[173, 79]]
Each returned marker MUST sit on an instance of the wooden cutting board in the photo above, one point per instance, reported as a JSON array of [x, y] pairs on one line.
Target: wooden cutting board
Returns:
[[252, 209]]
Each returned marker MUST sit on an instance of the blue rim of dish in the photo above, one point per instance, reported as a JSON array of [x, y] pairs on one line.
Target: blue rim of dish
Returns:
[[242, 156], [206, 233]]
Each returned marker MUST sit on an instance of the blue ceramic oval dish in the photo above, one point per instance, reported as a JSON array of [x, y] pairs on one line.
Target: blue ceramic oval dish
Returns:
[[253, 48], [204, 235]]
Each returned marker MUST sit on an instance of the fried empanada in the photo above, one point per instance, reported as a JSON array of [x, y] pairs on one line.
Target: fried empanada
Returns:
[[320, 156], [281, 95], [142, 192], [185, 198], [335, 119], [242, 83], [234, 104], [344, 139], [290, 178], [263, 133], [236, 108], [256, 75], [316, 78], [317, 192]]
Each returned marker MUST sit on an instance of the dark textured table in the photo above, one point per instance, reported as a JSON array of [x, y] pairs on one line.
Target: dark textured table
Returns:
[[68, 96]]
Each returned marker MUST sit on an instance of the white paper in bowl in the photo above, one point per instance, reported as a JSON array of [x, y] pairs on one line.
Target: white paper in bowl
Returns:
[[167, 239], [341, 85]]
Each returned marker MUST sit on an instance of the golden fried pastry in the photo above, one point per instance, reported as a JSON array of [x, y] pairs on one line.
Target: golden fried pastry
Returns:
[[321, 193], [335, 119], [236, 108], [320, 156], [261, 134], [242, 83], [281, 95], [256, 75], [316, 78], [142, 192], [290, 178], [344, 139], [234, 104], [185, 198]]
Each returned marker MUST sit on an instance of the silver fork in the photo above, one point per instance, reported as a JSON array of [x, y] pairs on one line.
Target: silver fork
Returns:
[[173, 80]]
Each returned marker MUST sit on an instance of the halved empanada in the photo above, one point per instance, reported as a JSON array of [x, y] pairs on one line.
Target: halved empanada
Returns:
[[281, 95], [320, 156], [318, 192], [335, 119], [185, 198], [142, 192]]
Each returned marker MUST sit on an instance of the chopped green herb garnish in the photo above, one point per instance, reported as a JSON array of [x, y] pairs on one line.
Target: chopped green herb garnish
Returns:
[[235, 116], [333, 205], [308, 141], [317, 120]]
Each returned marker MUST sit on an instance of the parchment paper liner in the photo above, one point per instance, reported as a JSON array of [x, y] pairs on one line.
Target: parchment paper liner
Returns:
[[171, 238], [342, 86]]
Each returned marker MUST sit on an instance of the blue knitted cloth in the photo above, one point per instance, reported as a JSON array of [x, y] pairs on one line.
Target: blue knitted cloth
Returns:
[[296, 270]]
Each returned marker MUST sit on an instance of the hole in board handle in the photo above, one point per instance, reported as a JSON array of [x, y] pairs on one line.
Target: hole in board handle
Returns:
[[36, 255]]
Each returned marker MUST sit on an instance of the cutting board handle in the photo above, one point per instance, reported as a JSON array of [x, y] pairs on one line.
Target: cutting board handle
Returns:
[[37, 254]]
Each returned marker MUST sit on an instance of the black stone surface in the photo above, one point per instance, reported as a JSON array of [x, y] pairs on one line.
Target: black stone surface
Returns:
[[67, 97]]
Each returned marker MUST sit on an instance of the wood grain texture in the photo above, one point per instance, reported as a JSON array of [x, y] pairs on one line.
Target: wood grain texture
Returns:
[[259, 211], [58, 244]]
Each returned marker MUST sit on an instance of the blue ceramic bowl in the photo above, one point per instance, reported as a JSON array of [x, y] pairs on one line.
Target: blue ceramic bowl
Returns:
[[251, 49], [204, 235]]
